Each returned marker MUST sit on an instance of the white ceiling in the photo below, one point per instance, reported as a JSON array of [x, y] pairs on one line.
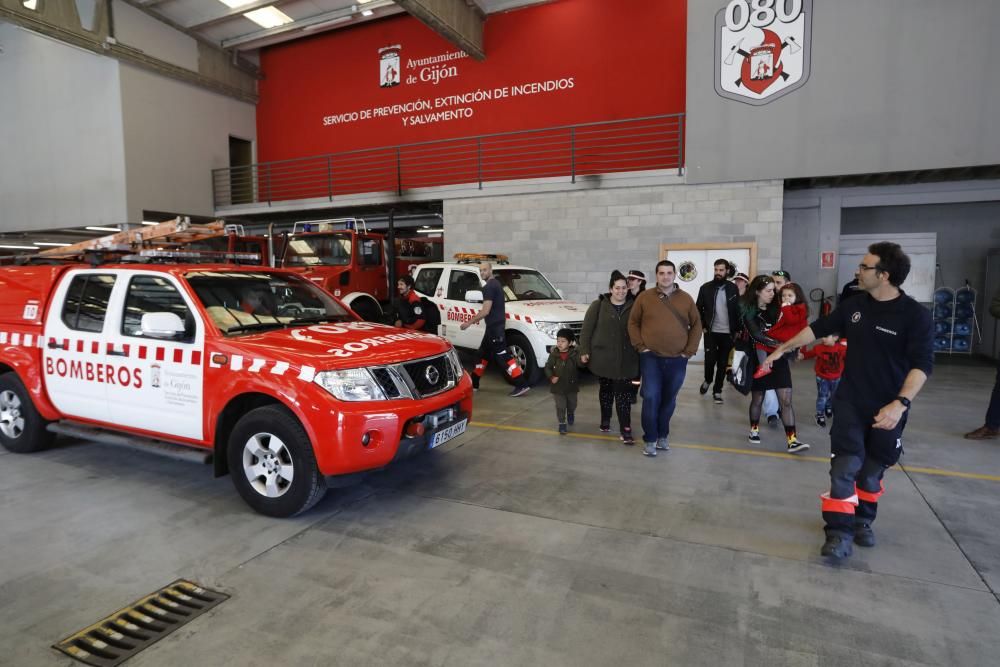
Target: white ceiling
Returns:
[[228, 28]]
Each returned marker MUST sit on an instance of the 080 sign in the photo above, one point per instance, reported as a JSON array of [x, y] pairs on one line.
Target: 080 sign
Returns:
[[760, 13]]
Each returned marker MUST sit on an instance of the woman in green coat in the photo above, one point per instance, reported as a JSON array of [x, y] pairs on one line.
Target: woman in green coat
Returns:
[[606, 349]]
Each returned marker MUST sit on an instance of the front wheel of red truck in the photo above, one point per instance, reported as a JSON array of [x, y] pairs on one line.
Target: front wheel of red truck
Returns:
[[272, 463], [22, 429]]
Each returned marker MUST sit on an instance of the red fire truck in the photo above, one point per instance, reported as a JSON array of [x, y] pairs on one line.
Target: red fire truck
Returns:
[[254, 368], [351, 262]]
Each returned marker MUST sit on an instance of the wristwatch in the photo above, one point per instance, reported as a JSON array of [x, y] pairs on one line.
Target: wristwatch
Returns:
[[904, 400]]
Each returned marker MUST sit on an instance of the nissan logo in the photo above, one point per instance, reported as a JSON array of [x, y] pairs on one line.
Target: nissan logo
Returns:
[[432, 375]]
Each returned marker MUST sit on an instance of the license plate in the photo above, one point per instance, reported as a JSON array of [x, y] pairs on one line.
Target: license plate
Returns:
[[447, 434]]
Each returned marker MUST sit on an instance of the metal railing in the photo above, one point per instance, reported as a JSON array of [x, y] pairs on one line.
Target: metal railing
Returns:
[[635, 144]]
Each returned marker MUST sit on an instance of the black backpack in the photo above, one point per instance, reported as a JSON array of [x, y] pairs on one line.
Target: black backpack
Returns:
[[431, 316]]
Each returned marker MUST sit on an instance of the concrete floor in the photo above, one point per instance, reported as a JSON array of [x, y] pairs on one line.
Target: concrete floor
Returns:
[[515, 546]]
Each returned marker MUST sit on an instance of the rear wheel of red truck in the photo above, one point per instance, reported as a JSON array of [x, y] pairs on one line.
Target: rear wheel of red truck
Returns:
[[22, 429], [272, 463]]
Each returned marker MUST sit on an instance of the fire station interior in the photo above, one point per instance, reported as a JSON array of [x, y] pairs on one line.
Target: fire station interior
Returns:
[[563, 138]]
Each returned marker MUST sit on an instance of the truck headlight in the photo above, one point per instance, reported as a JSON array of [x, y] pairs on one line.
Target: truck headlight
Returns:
[[550, 329], [456, 363], [355, 384]]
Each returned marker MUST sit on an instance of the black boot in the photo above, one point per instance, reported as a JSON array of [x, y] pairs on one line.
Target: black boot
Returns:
[[864, 536], [836, 547]]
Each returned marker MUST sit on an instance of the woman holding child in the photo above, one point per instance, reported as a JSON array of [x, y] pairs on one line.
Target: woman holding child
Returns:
[[606, 349], [761, 313]]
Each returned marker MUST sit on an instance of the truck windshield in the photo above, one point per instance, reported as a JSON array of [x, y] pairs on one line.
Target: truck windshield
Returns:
[[241, 302], [319, 250], [525, 285]]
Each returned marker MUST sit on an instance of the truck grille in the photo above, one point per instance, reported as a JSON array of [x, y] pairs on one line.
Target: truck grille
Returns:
[[430, 376], [415, 379], [576, 328]]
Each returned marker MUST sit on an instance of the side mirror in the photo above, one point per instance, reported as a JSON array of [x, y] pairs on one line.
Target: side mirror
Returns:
[[474, 296], [167, 326], [562, 295]]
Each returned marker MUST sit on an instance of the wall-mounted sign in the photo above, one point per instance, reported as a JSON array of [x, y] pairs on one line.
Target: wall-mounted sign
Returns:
[[828, 259], [396, 81], [762, 49]]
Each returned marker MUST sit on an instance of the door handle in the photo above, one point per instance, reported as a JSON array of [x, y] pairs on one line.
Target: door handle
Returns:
[[54, 345], [117, 353]]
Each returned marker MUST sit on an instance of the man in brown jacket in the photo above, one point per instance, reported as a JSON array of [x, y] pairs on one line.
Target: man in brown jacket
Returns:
[[665, 328]]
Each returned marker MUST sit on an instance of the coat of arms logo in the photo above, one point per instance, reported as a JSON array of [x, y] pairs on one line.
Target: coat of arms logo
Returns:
[[762, 49], [388, 66]]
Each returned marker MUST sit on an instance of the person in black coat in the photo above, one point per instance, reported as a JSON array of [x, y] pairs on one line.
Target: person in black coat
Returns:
[[607, 350], [718, 305]]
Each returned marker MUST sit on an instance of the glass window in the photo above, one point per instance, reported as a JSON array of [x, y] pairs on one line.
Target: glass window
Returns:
[[461, 282], [525, 285], [87, 302], [318, 250], [155, 294], [427, 281], [369, 251], [242, 302]]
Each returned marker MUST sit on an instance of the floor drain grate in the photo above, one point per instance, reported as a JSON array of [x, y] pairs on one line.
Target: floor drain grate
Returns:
[[121, 635]]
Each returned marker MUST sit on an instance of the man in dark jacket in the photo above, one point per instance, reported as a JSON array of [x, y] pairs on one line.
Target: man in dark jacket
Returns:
[[718, 306]]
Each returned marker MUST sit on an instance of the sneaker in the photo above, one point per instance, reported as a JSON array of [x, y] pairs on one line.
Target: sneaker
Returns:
[[703, 389], [754, 437], [605, 428], [836, 547], [829, 412], [772, 421], [649, 449], [982, 433], [562, 429], [570, 418], [864, 536], [661, 443], [627, 438], [761, 372], [717, 397], [519, 391], [794, 446], [821, 419]]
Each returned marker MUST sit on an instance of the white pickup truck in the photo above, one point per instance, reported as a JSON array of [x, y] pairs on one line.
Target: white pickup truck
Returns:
[[535, 310]]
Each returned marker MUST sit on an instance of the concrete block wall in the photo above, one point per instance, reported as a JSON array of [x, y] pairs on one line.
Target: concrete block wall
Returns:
[[577, 238]]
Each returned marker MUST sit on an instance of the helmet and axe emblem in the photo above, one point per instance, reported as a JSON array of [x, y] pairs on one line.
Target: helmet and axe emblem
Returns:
[[762, 49]]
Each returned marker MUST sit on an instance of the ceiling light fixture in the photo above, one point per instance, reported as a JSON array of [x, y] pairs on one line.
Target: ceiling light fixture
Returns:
[[268, 17], [430, 231], [367, 12], [54, 245], [323, 24], [235, 4], [18, 247], [147, 222], [103, 229]]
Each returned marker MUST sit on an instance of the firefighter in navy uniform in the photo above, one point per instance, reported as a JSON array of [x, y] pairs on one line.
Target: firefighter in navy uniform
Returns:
[[411, 309], [494, 340], [888, 361]]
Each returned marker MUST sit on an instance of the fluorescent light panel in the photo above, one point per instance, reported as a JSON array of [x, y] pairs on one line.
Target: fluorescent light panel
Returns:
[[268, 17], [18, 247], [147, 222], [103, 229], [367, 12], [54, 245], [235, 4], [429, 231]]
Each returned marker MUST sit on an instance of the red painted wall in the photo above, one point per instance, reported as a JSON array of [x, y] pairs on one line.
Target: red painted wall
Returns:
[[614, 59]]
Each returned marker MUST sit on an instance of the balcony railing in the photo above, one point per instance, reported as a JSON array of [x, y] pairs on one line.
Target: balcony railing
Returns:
[[635, 144]]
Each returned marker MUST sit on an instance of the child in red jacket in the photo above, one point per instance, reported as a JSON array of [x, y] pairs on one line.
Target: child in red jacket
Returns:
[[830, 354], [793, 319]]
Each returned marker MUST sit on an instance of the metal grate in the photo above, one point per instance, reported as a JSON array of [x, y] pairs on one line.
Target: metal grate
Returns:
[[118, 637], [384, 378]]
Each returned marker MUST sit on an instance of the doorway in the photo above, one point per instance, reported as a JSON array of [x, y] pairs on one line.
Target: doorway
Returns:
[[240, 171]]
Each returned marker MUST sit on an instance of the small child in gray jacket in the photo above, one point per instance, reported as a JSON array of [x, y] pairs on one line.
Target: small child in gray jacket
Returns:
[[562, 369]]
